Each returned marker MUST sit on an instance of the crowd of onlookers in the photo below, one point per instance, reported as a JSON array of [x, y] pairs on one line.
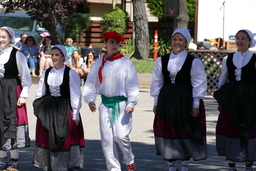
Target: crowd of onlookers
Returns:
[[39, 55]]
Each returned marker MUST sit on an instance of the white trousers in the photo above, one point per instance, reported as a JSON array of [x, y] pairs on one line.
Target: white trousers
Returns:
[[118, 132]]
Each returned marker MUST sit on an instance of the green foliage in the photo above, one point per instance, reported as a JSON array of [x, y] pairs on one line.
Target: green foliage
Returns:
[[128, 48], [143, 66], [75, 25], [164, 44], [157, 8], [115, 20], [191, 9]]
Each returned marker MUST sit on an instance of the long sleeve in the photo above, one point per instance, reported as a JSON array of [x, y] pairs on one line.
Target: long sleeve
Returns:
[[23, 69], [198, 81], [90, 89], [55, 78], [75, 94], [157, 80], [224, 73], [119, 79], [132, 85]]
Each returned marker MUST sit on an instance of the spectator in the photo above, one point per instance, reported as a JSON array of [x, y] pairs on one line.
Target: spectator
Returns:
[[70, 49], [45, 55], [88, 62], [31, 52], [43, 36], [77, 64], [20, 43]]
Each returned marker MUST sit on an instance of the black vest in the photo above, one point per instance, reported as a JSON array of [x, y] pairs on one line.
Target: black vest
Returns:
[[248, 71], [11, 69], [64, 87], [183, 76]]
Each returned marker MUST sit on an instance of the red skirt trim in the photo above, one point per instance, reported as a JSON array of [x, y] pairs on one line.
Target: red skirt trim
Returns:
[[75, 134]]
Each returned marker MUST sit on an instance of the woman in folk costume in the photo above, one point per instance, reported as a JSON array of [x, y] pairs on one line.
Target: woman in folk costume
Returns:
[[115, 78], [178, 87], [59, 130], [236, 96], [15, 81]]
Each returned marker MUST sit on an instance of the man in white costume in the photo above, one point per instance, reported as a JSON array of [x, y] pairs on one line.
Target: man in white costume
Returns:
[[114, 77]]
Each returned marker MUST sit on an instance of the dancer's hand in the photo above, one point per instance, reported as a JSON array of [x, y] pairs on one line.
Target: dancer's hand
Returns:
[[92, 106], [154, 109], [128, 109], [195, 112], [76, 122], [21, 101]]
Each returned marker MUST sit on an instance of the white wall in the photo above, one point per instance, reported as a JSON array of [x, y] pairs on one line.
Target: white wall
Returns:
[[238, 14]]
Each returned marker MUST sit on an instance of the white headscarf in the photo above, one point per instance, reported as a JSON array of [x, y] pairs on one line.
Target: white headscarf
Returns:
[[11, 32], [252, 35], [184, 32], [62, 49]]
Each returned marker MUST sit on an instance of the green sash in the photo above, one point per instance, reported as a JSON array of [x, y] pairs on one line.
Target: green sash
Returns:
[[113, 103]]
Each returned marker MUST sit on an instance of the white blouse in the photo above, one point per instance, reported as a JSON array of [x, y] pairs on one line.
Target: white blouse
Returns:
[[22, 66], [239, 60], [119, 79], [55, 79], [197, 73]]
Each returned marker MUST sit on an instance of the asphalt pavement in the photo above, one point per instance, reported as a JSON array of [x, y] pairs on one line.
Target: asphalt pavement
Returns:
[[142, 138]]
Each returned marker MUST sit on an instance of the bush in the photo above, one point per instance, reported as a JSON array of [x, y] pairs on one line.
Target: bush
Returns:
[[115, 20], [75, 25], [128, 47]]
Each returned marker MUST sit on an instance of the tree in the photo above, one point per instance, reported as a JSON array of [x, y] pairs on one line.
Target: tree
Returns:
[[46, 11], [182, 19], [140, 21]]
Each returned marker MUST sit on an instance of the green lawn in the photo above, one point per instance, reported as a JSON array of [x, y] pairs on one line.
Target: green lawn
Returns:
[[143, 66]]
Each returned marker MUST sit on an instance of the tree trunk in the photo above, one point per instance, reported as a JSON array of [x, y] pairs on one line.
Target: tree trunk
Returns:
[[50, 25], [140, 20], [183, 18]]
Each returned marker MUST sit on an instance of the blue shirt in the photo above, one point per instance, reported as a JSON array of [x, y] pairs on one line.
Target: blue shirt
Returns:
[[34, 51], [70, 49]]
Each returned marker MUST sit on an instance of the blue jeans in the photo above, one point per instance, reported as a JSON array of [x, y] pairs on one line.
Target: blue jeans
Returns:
[[32, 63]]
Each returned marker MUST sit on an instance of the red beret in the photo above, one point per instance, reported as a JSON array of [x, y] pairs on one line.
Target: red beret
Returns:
[[113, 35]]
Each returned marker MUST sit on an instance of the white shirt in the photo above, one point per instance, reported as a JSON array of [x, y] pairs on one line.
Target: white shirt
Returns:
[[239, 60], [22, 66], [55, 79], [119, 79], [197, 73]]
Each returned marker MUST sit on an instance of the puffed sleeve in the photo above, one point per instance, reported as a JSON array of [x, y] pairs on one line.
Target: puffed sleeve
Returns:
[[41, 89], [224, 73], [75, 93], [23, 69], [157, 80], [132, 85], [198, 81]]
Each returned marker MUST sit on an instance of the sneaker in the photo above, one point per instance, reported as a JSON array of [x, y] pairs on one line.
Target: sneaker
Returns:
[[232, 169], [249, 169], [3, 163], [131, 167], [13, 165]]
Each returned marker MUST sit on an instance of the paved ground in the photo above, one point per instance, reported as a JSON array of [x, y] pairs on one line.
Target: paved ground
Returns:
[[141, 137]]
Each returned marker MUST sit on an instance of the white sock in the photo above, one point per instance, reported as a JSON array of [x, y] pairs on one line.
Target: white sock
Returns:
[[14, 153]]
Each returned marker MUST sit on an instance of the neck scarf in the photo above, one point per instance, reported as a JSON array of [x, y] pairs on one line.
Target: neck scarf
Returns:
[[117, 55]]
